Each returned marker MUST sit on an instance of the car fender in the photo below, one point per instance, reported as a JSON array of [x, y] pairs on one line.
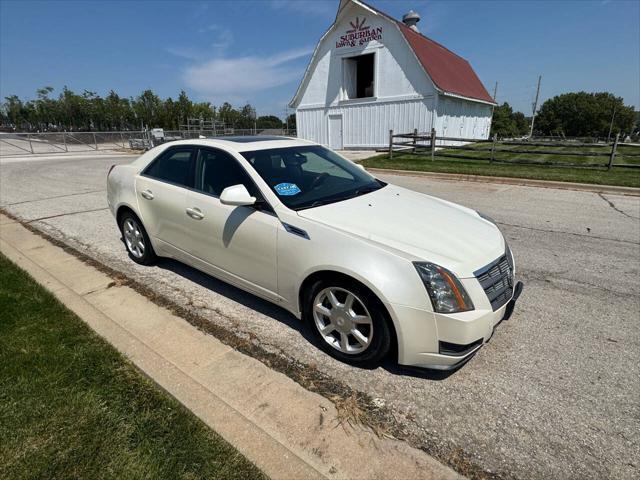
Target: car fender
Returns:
[[391, 278]]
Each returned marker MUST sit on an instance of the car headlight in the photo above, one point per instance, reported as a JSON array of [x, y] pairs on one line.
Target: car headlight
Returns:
[[445, 291]]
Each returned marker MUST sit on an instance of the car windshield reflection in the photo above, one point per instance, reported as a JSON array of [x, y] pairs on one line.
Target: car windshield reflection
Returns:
[[310, 176]]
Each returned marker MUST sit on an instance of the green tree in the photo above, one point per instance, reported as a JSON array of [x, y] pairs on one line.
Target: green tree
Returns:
[[227, 114], [582, 114], [291, 121], [93, 110], [14, 111], [170, 116], [45, 114], [184, 108], [507, 123], [148, 109], [73, 111], [203, 110], [89, 111], [246, 117], [522, 123], [269, 121], [118, 112]]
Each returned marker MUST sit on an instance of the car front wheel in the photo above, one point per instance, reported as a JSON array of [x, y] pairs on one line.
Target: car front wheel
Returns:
[[348, 321]]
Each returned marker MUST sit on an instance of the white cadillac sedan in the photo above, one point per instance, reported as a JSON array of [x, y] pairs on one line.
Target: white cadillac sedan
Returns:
[[372, 267]]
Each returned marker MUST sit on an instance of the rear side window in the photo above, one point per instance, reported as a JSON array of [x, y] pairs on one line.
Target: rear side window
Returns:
[[173, 166]]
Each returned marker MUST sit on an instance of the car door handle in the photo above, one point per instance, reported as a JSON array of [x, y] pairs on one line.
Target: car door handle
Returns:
[[195, 213], [147, 194]]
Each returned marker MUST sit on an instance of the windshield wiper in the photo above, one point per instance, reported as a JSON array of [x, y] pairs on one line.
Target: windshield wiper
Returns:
[[356, 193], [362, 191], [369, 189], [317, 203]]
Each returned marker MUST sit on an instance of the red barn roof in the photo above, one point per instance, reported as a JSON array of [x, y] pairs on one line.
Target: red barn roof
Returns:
[[450, 72]]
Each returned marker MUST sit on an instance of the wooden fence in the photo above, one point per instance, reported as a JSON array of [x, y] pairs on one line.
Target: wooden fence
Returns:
[[427, 145]]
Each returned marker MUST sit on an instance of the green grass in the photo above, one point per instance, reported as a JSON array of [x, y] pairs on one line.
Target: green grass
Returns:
[[72, 407], [625, 154], [616, 176]]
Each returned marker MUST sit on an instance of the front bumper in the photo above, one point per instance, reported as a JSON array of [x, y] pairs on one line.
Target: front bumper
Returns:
[[444, 342]]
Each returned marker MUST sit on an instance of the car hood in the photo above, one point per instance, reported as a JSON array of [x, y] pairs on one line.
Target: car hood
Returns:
[[418, 225]]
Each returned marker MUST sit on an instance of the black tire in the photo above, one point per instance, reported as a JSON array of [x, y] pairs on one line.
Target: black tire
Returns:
[[381, 337], [142, 256]]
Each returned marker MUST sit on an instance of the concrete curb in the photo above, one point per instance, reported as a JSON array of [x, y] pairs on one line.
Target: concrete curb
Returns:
[[524, 182], [287, 431]]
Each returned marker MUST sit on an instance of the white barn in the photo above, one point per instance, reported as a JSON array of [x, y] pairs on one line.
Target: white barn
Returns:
[[370, 74]]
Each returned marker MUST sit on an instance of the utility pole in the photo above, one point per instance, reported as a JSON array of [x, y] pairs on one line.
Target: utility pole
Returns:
[[493, 107], [611, 124], [254, 117], [535, 106], [495, 94], [286, 118]]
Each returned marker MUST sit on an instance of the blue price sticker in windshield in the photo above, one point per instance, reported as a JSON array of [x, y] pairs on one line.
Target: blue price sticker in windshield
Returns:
[[286, 189]]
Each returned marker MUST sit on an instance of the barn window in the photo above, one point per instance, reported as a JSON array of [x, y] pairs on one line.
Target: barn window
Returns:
[[358, 76]]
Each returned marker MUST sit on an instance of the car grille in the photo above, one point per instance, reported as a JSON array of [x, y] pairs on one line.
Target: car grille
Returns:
[[496, 280]]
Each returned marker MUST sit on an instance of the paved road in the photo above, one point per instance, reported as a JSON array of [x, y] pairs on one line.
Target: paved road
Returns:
[[555, 393]]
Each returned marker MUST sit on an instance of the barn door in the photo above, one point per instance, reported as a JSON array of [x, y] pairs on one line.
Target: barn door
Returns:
[[335, 132]]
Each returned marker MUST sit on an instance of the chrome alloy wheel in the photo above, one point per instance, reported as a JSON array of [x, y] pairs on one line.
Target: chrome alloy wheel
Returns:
[[343, 320], [133, 237]]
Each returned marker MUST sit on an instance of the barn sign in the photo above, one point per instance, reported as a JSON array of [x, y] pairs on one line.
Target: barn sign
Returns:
[[359, 34]]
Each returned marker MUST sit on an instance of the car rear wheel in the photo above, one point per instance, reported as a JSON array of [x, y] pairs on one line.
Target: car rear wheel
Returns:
[[136, 240], [348, 321]]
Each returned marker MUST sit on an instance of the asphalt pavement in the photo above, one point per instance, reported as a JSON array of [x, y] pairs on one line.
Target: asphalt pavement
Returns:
[[556, 393]]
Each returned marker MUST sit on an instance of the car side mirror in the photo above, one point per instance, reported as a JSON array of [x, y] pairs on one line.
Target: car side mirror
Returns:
[[361, 167], [237, 195]]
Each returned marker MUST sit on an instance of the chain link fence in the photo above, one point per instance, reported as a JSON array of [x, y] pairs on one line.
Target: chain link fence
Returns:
[[14, 144]]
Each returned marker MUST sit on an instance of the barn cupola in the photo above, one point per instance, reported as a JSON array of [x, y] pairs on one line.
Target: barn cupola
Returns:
[[411, 19]]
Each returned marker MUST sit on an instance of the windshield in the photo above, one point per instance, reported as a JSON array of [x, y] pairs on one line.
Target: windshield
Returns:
[[310, 176]]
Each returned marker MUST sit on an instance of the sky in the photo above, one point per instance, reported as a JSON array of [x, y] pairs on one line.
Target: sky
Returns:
[[257, 50]]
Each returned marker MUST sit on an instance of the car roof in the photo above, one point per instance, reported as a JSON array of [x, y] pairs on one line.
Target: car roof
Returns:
[[246, 143]]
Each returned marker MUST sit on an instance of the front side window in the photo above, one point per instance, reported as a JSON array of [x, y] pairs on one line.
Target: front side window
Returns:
[[310, 176], [173, 166], [217, 170]]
